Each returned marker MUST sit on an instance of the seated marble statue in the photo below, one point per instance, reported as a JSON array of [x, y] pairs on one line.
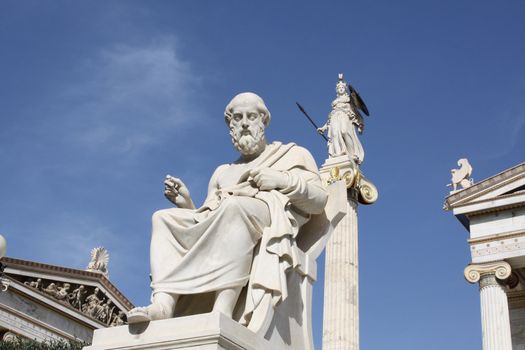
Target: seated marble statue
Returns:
[[244, 235]]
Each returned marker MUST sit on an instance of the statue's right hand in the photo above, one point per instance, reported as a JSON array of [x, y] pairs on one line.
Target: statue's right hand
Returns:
[[176, 192], [321, 130]]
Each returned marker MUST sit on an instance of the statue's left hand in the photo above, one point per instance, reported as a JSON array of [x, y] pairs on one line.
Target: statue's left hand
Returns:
[[268, 179]]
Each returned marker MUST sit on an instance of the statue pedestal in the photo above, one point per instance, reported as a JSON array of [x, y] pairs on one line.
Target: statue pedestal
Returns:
[[212, 331]]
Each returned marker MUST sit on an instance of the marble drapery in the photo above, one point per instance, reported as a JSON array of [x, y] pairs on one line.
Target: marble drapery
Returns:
[[212, 248], [342, 136]]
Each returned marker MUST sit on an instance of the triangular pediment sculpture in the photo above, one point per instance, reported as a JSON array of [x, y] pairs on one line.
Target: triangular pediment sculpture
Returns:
[[88, 298]]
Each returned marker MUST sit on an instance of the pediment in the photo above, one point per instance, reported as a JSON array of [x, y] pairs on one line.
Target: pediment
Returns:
[[505, 188], [84, 295]]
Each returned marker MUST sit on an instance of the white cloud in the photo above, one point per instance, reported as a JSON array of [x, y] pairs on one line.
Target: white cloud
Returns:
[[124, 99], [129, 97]]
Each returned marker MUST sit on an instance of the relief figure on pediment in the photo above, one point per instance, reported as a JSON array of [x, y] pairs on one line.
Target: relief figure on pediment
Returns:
[[37, 284], [118, 319], [102, 311], [51, 289], [62, 292], [89, 307], [107, 313], [76, 297]]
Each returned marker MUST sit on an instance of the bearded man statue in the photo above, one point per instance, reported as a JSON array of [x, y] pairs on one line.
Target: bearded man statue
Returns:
[[244, 236]]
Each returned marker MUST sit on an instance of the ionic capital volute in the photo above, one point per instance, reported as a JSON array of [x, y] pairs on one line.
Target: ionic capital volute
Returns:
[[500, 269]]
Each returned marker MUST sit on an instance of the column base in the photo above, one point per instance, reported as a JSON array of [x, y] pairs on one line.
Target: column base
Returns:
[[212, 331]]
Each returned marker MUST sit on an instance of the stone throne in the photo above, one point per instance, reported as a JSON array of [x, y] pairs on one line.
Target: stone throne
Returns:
[[286, 326]]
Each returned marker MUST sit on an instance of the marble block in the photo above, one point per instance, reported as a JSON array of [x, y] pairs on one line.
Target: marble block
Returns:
[[211, 331]]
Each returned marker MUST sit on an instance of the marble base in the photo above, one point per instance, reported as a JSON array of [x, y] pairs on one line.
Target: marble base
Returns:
[[212, 331]]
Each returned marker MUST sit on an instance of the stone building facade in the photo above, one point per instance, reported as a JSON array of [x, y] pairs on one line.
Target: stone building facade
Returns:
[[46, 302], [493, 211]]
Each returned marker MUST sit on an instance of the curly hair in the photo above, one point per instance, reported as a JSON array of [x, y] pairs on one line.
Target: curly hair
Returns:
[[248, 97]]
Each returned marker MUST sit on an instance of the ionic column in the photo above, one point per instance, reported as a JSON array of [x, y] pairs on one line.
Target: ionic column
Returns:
[[495, 321], [341, 280]]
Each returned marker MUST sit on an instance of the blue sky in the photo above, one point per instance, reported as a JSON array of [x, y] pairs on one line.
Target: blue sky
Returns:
[[100, 100]]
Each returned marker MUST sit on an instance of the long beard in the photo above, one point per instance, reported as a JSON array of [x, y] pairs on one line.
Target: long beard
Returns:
[[248, 144]]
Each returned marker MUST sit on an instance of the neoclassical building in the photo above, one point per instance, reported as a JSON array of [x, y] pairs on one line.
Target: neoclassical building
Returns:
[[47, 302], [493, 211]]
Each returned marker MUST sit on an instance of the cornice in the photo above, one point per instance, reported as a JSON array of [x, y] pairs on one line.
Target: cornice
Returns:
[[492, 183], [496, 209]]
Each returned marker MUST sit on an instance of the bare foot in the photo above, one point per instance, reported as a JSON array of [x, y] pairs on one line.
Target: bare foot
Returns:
[[138, 314], [162, 307]]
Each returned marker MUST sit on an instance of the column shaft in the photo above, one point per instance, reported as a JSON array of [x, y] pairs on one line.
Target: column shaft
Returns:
[[495, 320], [341, 291]]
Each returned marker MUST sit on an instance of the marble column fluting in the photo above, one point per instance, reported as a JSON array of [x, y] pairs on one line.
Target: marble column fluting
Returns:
[[495, 321], [341, 302]]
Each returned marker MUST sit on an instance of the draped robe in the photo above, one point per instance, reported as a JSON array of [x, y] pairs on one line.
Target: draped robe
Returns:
[[211, 248], [342, 136]]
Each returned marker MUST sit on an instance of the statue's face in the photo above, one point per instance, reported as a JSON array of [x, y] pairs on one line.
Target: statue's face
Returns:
[[340, 89], [247, 128]]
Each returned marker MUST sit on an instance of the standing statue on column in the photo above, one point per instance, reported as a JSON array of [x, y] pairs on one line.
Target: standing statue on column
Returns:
[[343, 121], [342, 171]]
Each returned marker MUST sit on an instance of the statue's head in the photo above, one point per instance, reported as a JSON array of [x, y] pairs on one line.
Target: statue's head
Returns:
[[247, 117], [341, 87]]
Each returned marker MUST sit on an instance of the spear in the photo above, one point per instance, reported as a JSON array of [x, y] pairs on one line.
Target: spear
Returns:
[[310, 119]]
